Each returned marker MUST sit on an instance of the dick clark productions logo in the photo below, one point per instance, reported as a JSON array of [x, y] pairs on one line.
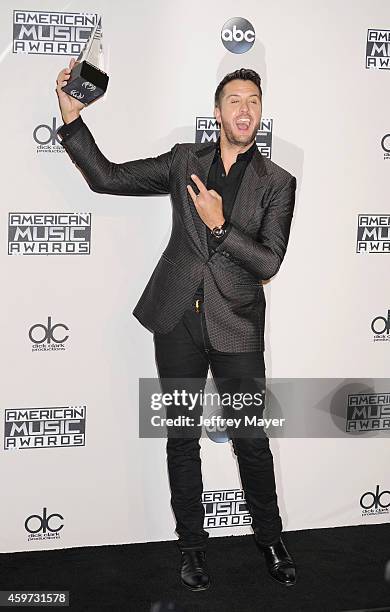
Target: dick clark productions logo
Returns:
[[46, 137], [48, 337], [45, 527], [380, 326], [385, 144], [375, 502]]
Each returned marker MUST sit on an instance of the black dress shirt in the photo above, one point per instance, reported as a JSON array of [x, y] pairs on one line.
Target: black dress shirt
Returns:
[[227, 186]]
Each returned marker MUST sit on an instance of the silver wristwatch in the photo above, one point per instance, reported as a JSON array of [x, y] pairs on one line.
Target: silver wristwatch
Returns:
[[219, 231]]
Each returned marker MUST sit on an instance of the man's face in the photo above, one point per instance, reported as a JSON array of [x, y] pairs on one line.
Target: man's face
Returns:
[[239, 112]]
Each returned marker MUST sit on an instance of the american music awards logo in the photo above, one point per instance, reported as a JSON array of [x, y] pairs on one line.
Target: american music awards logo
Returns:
[[50, 427], [368, 412], [225, 508], [373, 234], [51, 33], [49, 233], [207, 130], [378, 49], [46, 137]]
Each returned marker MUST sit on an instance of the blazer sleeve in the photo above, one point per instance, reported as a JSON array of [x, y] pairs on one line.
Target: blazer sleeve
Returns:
[[263, 256], [141, 177]]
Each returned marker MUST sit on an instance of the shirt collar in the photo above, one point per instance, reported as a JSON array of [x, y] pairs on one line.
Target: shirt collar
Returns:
[[247, 155]]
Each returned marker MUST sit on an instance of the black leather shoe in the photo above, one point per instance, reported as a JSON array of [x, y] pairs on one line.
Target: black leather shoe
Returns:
[[280, 565], [193, 572]]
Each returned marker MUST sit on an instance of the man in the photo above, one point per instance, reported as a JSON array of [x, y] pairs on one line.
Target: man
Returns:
[[204, 303]]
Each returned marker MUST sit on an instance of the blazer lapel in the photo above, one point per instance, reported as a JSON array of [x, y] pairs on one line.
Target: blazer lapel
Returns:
[[254, 179], [199, 163]]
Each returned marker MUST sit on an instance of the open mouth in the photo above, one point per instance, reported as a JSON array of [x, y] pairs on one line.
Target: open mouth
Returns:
[[243, 124]]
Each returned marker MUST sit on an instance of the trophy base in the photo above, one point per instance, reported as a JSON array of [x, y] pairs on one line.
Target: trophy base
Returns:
[[86, 83]]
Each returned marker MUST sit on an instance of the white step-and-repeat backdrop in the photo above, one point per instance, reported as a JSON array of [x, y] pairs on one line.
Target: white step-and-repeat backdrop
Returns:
[[74, 471]]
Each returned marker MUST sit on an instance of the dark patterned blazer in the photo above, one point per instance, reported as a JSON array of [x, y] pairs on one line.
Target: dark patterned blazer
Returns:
[[251, 252]]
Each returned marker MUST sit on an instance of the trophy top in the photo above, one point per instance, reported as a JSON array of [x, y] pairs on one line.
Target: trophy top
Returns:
[[93, 50]]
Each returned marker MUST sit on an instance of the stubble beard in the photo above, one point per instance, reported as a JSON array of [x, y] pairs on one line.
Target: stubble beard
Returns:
[[240, 142]]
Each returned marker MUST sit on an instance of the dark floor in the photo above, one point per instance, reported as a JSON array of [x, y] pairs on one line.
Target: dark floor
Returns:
[[339, 569]]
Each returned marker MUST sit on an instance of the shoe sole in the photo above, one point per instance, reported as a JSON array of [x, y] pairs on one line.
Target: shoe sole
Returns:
[[201, 588], [282, 583]]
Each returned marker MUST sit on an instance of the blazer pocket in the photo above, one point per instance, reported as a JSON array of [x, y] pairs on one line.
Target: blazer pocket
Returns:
[[248, 283]]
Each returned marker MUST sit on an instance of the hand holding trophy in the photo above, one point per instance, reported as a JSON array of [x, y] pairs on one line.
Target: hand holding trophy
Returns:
[[84, 80], [70, 107]]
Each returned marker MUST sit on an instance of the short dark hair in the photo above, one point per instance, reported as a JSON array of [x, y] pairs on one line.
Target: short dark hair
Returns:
[[245, 74]]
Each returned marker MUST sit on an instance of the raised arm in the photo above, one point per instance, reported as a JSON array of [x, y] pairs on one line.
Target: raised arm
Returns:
[[147, 176]]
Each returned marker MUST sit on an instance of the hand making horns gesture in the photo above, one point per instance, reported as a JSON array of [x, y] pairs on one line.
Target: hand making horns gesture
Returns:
[[208, 203]]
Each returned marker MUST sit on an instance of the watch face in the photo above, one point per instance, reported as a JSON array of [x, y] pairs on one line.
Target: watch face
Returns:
[[218, 232]]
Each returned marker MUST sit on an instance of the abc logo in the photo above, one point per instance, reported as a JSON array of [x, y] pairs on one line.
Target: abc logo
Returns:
[[238, 35], [380, 325], [385, 142], [43, 523], [374, 500], [43, 134], [216, 433], [40, 333]]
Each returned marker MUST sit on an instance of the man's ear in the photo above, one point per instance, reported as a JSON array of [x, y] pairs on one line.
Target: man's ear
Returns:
[[217, 114]]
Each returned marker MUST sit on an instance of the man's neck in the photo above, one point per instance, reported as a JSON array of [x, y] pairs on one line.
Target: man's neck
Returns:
[[230, 151]]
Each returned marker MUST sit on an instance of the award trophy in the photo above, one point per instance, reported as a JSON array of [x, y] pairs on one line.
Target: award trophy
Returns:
[[87, 80]]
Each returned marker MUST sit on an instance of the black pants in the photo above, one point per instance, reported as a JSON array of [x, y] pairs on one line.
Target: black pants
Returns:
[[186, 352]]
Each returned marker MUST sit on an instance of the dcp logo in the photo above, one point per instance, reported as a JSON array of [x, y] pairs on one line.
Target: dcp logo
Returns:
[[40, 333], [43, 523], [375, 500], [238, 35], [385, 143], [43, 134], [381, 325]]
